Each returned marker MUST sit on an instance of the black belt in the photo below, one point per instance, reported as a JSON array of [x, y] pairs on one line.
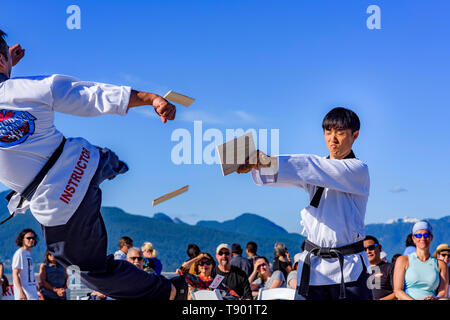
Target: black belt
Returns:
[[326, 253], [31, 188]]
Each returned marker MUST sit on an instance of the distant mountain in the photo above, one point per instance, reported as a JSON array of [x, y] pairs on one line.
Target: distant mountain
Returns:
[[170, 236]]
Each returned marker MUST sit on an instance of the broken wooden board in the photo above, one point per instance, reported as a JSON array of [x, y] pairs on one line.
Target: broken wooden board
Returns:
[[170, 195]]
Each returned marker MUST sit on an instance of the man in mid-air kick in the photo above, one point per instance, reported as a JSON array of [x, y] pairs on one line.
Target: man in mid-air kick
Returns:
[[58, 179]]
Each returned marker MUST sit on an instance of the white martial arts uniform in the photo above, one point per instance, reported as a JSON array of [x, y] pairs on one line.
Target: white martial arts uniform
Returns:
[[28, 138], [339, 218]]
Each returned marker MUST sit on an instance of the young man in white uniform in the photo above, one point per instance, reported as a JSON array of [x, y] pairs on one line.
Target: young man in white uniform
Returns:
[[58, 179], [23, 267], [333, 265]]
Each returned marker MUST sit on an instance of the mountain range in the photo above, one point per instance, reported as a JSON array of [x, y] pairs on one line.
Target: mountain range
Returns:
[[171, 237]]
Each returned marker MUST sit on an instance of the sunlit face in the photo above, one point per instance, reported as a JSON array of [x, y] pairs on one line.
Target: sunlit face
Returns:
[[223, 257], [29, 240], [262, 266], [424, 241], [205, 267], [339, 142], [373, 251], [136, 258]]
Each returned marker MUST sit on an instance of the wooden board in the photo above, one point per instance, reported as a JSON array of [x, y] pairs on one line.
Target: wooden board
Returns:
[[170, 195], [234, 152], [179, 98]]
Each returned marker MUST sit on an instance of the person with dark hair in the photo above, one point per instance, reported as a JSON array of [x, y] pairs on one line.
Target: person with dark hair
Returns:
[[382, 273], [192, 250], [409, 244], [59, 178], [263, 277], [53, 278], [239, 261], [125, 243], [333, 264], [201, 276], [23, 267]]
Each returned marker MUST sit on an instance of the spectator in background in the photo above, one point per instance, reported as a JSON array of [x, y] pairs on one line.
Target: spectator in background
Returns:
[[409, 244], [53, 279], [251, 250], [192, 251], [382, 274], [4, 283], [135, 257], [240, 262], [394, 258], [265, 278], [443, 253], [202, 278], [282, 260], [234, 278], [419, 276], [151, 254], [23, 267], [291, 281], [125, 243]]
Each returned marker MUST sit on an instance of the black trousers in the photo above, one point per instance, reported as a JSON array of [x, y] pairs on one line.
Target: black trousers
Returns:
[[356, 290], [83, 241]]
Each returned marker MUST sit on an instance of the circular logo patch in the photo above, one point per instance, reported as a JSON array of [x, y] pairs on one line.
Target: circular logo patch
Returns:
[[15, 127]]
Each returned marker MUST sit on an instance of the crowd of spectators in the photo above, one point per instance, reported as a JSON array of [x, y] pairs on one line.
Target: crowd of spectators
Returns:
[[417, 274]]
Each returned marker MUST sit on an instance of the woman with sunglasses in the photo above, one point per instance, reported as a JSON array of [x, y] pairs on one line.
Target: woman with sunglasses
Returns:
[[202, 278], [265, 277], [419, 276]]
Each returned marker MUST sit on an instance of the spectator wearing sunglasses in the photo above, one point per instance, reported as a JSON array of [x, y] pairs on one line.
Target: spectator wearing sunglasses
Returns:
[[419, 276], [135, 257], [443, 253], [265, 278], [201, 277], [382, 274], [234, 278], [23, 267]]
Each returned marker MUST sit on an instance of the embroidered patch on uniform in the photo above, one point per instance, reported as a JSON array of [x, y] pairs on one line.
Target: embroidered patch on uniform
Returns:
[[15, 127]]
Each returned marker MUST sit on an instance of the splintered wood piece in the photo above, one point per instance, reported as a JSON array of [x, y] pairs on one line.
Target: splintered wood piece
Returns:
[[170, 195], [234, 152], [179, 98]]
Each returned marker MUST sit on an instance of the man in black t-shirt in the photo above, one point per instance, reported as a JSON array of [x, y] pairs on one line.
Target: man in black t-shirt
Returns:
[[382, 276], [234, 278]]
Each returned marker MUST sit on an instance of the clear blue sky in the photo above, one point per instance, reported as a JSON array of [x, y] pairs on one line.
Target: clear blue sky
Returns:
[[263, 65]]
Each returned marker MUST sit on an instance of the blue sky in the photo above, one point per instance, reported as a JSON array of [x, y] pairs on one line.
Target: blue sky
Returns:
[[262, 65]]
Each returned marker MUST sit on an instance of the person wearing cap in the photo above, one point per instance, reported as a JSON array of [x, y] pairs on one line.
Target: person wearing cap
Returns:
[[443, 253], [239, 261], [381, 279], [234, 278], [419, 276], [333, 265]]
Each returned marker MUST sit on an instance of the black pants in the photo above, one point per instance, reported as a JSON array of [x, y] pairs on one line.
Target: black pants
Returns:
[[356, 290], [83, 241]]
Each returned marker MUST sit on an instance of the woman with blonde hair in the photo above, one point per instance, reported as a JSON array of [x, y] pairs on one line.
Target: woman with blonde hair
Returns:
[[150, 253]]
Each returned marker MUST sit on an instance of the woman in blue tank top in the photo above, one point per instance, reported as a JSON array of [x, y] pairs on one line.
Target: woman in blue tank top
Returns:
[[419, 276]]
